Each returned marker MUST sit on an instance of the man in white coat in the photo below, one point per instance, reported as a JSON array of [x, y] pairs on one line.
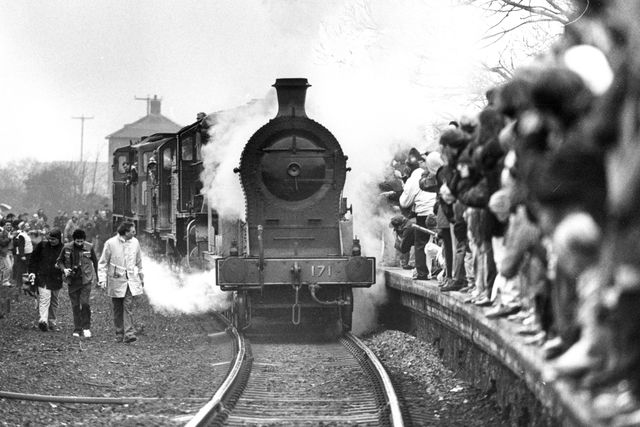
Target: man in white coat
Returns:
[[120, 271]]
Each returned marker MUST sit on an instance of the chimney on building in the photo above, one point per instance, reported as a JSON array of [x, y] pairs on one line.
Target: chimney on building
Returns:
[[154, 105]]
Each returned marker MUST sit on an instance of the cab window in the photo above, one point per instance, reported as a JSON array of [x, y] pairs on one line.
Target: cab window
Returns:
[[187, 149], [123, 163], [167, 158]]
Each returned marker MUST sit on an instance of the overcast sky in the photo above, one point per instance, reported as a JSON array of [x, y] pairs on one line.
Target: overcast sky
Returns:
[[64, 59]]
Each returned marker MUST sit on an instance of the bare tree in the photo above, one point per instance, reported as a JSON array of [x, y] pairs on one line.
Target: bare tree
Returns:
[[523, 28]]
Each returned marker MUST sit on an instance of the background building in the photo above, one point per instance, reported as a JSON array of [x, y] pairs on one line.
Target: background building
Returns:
[[153, 122]]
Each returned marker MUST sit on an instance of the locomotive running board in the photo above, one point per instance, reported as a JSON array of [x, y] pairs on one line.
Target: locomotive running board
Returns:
[[244, 272]]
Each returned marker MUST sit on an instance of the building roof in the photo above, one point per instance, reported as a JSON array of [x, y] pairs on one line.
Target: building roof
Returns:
[[148, 125]]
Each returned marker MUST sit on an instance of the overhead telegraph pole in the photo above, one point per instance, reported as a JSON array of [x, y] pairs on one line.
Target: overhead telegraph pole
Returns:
[[82, 119]]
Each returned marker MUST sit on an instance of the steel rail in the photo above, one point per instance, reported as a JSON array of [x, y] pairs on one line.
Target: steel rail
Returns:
[[393, 402], [215, 405]]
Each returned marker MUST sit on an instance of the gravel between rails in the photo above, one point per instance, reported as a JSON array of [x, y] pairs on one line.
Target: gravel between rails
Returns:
[[175, 361]]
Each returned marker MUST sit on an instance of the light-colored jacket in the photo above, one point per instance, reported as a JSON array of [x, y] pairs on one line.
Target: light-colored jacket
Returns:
[[119, 266], [423, 201]]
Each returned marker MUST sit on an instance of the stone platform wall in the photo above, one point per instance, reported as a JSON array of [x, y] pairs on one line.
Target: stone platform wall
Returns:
[[487, 353]]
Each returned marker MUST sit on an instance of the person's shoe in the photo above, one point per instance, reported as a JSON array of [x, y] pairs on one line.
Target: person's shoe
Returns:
[[86, 333], [76, 334], [130, 338], [119, 338], [574, 362], [483, 302], [53, 327], [43, 326], [502, 311], [408, 267], [435, 272], [529, 330], [519, 316], [452, 286], [553, 348], [421, 277], [537, 339], [445, 281]]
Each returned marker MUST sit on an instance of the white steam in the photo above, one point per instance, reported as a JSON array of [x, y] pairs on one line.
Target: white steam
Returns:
[[172, 292], [229, 134]]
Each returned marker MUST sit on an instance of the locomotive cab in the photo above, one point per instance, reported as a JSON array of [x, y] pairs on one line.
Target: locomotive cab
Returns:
[[124, 184], [301, 258]]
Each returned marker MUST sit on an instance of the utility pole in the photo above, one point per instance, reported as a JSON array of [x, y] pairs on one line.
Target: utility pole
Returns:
[[82, 118], [148, 99]]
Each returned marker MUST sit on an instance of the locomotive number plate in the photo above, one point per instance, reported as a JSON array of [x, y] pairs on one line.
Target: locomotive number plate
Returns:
[[247, 271], [320, 270]]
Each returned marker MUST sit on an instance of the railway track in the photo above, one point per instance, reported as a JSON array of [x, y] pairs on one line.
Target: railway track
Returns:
[[295, 382]]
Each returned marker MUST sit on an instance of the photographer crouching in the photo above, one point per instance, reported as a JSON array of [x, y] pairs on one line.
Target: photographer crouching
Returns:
[[79, 264]]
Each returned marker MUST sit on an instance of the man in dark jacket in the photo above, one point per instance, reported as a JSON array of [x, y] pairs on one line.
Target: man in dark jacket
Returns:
[[404, 238], [79, 264], [42, 266]]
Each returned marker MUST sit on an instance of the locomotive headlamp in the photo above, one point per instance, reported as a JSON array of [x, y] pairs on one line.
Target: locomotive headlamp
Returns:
[[233, 250], [355, 249], [294, 169]]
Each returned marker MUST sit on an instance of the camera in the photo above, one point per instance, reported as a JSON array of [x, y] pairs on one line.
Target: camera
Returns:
[[75, 271]]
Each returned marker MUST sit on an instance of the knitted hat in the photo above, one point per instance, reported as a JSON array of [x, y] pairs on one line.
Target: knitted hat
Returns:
[[500, 204], [454, 138], [397, 221], [562, 92], [434, 162], [415, 155]]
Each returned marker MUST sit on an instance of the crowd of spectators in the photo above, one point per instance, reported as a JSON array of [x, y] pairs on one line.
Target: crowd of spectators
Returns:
[[20, 234], [533, 208]]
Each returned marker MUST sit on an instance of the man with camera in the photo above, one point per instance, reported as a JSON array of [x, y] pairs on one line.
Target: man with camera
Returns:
[[79, 263]]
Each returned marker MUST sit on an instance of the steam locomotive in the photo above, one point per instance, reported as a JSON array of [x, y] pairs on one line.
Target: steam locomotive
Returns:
[[156, 185], [294, 256], [301, 261]]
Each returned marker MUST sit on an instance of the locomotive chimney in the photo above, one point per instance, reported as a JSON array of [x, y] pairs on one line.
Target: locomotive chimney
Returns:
[[291, 96]]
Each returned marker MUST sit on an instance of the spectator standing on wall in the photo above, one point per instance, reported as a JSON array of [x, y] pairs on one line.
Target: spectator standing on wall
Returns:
[[120, 271], [404, 238], [423, 203], [79, 264], [48, 278]]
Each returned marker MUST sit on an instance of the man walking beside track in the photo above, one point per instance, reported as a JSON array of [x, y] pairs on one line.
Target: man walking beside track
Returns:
[[79, 263], [120, 271], [48, 278]]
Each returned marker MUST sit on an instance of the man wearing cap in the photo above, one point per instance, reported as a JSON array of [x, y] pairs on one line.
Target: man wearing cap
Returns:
[[42, 265], [404, 238]]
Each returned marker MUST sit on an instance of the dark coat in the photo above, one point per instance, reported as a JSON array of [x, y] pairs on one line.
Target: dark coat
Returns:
[[43, 264], [404, 233], [85, 262]]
